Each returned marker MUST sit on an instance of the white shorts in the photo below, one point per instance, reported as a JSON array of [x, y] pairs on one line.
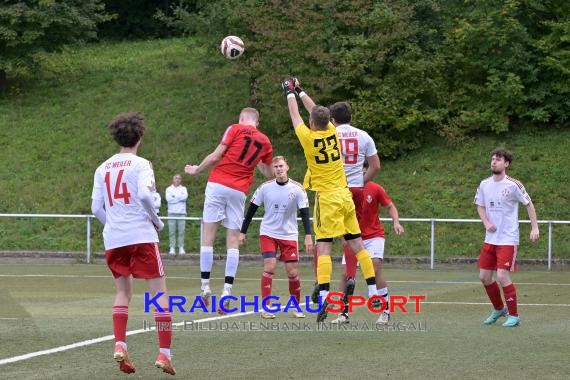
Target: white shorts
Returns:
[[375, 248], [223, 204]]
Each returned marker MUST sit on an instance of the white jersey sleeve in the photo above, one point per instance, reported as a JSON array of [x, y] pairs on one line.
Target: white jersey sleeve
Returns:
[[258, 197], [479, 197], [302, 198], [370, 146], [98, 193], [521, 194], [145, 176]]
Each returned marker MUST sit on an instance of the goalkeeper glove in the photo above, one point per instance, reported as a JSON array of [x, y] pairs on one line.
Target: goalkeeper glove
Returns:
[[297, 84], [288, 86]]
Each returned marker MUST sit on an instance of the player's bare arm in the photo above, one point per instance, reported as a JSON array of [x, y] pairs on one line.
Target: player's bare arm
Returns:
[[305, 98], [483, 215], [211, 160], [373, 167], [266, 170], [393, 212], [534, 234]]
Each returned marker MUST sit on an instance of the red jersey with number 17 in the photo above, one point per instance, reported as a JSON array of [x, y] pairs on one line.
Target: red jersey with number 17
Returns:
[[373, 196], [247, 146]]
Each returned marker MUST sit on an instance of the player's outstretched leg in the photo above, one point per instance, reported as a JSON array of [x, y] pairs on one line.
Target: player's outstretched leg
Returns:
[[206, 262], [324, 277], [124, 287]]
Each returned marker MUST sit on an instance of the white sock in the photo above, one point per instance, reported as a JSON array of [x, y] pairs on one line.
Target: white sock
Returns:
[[205, 281], [206, 259], [166, 351], [372, 290], [232, 261], [228, 286], [122, 344], [383, 292]]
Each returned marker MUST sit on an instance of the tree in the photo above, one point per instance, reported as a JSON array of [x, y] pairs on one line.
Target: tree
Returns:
[[29, 27]]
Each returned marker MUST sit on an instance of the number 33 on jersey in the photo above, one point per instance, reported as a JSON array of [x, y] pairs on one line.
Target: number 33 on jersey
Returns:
[[325, 170]]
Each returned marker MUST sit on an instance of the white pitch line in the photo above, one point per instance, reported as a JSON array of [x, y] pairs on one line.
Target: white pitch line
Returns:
[[140, 331], [275, 279], [109, 337]]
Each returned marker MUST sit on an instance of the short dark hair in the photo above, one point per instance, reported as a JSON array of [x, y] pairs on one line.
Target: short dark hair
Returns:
[[127, 129], [341, 112], [321, 117], [502, 152]]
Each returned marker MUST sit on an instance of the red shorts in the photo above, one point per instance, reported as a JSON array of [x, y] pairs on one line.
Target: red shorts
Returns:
[[141, 260], [495, 257], [288, 248], [358, 199]]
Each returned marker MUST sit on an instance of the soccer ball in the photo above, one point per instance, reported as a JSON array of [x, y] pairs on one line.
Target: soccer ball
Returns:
[[232, 47]]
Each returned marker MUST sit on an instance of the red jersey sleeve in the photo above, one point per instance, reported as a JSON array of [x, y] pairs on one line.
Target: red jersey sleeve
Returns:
[[268, 156], [382, 197], [229, 135]]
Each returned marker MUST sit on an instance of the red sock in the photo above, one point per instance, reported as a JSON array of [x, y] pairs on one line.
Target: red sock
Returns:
[[266, 284], [511, 299], [120, 318], [164, 327], [295, 287], [494, 294], [316, 259], [351, 260]]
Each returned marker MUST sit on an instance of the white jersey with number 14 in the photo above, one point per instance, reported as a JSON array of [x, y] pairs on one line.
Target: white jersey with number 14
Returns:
[[117, 181], [356, 145]]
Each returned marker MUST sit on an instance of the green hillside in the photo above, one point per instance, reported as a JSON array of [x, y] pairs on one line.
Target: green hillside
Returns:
[[53, 135]]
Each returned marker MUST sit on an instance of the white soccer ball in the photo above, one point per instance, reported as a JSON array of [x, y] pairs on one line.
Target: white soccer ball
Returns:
[[232, 47]]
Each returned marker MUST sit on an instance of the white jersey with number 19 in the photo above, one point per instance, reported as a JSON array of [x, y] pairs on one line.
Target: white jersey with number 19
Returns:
[[356, 145], [117, 182]]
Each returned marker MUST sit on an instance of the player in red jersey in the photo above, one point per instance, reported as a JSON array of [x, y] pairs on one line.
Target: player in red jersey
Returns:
[[122, 200], [373, 195], [497, 201], [242, 148]]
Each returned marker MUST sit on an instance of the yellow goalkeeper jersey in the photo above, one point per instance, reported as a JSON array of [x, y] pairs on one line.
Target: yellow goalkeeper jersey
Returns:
[[325, 171]]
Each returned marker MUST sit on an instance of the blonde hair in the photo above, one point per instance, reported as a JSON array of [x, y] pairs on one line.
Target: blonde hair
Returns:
[[251, 112], [279, 158]]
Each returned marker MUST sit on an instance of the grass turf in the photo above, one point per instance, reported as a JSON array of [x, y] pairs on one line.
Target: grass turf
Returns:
[[54, 126], [72, 303]]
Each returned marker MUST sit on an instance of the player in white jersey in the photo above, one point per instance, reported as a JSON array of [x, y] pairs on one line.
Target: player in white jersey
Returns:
[[357, 148], [281, 198], [497, 201], [122, 200]]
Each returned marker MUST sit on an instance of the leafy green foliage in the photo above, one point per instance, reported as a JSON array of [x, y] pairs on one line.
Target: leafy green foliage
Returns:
[[408, 67], [29, 27]]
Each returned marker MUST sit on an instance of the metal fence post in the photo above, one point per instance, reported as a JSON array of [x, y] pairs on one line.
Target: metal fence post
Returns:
[[432, 251], [88, 258], [549, 246]]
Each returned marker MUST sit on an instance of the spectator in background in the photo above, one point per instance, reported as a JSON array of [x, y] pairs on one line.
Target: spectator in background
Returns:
[[176, 196]]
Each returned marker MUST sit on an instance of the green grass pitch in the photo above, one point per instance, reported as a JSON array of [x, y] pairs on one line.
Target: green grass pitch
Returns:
[[52, 305]]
